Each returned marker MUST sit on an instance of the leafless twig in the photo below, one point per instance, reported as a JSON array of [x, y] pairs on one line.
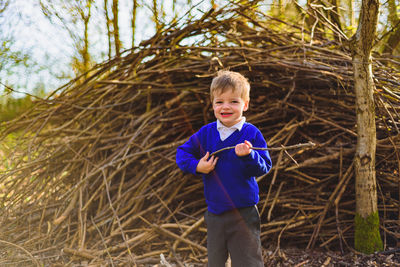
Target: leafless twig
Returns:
[[309, 144]]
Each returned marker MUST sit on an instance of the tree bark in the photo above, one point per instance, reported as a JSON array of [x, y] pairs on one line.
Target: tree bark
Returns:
[[108, 24], [85, 51], [334, 14], [394, 36], [350, 14], [156, 17], [367, 238], [133, 23], [117, 41]]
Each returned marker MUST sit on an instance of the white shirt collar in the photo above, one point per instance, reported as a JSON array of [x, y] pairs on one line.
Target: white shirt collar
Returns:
[[237, 126]]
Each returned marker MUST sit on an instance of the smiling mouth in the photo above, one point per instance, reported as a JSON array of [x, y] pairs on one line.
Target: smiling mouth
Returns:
[[226, 114]]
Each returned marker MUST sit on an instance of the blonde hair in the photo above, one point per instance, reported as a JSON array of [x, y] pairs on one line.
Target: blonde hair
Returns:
[[230, 80]]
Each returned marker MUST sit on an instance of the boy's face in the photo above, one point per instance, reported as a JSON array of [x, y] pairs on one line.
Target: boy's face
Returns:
[[228, 107]]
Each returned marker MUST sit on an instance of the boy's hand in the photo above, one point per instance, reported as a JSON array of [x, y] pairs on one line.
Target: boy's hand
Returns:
[[243, 149], [206, 165]]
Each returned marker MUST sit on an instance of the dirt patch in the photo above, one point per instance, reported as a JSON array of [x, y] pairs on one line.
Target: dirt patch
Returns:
[[296, 257]]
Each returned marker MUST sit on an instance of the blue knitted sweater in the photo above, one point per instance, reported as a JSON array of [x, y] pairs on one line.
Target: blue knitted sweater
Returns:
[[232, 184]]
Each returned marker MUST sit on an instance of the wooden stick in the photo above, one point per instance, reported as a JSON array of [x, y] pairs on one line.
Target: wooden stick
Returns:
[[330, 201], [23, 249], [81, 253], [188, 231], [309, 144], [315, 161], [177, 237], [274, 200]]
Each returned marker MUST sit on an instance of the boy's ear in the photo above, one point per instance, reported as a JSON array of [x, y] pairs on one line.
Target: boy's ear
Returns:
[[246, 105]]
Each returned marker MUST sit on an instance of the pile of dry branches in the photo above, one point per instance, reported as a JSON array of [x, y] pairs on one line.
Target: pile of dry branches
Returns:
[[94, 176]]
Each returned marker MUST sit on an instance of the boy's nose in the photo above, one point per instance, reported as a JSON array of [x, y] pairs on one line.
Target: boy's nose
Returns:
[[225, 105]]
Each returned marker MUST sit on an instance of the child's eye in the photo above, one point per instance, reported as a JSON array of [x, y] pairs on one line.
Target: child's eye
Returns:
[[218, 102], [235, 101]]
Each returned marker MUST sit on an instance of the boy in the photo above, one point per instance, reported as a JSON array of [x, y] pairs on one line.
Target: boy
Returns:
[[230, 187]]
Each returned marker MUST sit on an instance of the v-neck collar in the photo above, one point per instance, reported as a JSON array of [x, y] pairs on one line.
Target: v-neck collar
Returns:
[[231, 139]]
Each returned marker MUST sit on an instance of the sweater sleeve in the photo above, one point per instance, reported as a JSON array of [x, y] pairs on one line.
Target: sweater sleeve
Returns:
[[188, 155], [258, 162]]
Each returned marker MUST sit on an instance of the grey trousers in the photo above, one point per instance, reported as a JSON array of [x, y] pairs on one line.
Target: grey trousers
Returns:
[[237, 233]]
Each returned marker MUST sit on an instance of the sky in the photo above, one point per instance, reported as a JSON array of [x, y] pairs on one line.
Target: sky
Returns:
[[51, 48], [36, 36]]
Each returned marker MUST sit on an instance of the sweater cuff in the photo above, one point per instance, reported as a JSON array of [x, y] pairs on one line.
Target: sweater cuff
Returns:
[[193, 166]]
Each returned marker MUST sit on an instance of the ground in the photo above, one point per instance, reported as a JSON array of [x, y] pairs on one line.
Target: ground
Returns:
[[288, 257], [310, 258], [296, 257]]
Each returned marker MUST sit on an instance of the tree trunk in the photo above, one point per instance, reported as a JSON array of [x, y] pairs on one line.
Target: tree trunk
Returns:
[[334, 14], [85, 52], [133, 23], [367, 237], [117, 41], [156, 17], [350, 11], [108, 23], [394, 35], [393, 41]]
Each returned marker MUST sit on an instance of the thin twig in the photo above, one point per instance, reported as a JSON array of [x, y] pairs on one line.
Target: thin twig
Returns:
[[24, 250], [309, 144]]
